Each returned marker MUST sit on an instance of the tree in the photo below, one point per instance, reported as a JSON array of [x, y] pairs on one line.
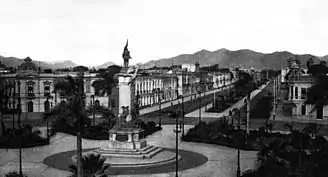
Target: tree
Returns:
[[317, 94], [309, 63], [105, 113], [93, 166], [104, 85], [72, 110], [4, 85], [244, 84], [80, 69]]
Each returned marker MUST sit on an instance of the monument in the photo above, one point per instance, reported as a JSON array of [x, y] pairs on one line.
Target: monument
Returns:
[[126, 146]]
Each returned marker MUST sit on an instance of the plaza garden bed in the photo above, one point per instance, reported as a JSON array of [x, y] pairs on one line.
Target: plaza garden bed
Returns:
[[223, 102], [97, 132], [221, 132], [25, 137]]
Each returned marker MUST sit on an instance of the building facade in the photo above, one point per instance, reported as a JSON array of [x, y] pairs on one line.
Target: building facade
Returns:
[[32, 89], [152, 89], [298, 82]]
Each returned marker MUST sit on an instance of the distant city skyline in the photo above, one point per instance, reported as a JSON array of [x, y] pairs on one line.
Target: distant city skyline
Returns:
[[92, 32]]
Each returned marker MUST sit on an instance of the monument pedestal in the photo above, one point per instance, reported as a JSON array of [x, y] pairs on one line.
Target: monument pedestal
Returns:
[[126, 139], [128, 143]]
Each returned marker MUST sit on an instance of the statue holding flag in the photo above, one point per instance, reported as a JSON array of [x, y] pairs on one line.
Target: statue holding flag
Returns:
[[126, 55]]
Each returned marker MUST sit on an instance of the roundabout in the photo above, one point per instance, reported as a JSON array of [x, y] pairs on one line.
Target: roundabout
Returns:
[[187, 160]]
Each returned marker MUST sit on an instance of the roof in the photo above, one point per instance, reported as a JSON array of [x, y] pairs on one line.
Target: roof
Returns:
[[28, 65]]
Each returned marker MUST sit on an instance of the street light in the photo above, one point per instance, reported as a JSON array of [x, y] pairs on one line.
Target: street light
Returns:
[[93, 109], [182, 112], [199, 107], [237, 112], [19, 104], [177, 131]]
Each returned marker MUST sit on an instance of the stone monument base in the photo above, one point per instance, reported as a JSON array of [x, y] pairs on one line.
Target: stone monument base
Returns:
[[127, 143]]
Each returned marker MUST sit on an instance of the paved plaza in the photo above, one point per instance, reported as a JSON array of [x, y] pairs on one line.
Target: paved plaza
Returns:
[[221, 162]]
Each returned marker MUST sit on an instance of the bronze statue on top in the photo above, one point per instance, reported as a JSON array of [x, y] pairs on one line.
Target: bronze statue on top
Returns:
[[126, 55]]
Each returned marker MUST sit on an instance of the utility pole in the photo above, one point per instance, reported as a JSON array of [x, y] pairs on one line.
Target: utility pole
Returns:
[[248, 111], [176, 146], [274, 99]]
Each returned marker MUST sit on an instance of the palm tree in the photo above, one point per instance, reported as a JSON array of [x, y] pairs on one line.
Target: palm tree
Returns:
[[93, 166], [73, 110], [104, 85]]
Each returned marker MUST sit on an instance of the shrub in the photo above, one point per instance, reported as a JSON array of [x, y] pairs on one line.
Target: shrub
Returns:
[[14, 174], [23, 136], [97, 132]]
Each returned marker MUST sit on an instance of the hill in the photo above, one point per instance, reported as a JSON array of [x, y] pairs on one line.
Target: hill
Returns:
[[105, 65], [225, 58], [14, 62]]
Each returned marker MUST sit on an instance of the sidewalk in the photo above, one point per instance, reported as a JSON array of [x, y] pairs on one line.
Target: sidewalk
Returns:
[[177, 101], [211, 115]]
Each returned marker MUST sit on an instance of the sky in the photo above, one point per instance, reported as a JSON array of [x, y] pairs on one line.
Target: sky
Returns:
[[92, 32]]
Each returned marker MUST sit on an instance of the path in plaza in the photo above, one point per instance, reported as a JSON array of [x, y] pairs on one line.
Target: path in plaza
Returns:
[[177, 101], [210, 115], [222, 161]]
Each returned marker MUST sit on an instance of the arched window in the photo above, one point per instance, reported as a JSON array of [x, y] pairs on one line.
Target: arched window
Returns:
[[30, 106], [46, 106]]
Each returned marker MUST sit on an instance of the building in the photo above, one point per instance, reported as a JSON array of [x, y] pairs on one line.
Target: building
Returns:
[[33, 89], [223, 77], [298, 82], [153, 89], [189, 67]]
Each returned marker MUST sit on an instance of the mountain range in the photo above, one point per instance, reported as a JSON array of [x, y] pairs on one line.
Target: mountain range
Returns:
[[14, 62], [244, 58], [225, 58]]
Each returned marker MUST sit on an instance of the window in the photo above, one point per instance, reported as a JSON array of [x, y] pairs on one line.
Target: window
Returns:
[[303, 111], [30, 106], [46, 89], [87, 86], [303, 93], [296, 92], [30, 89], [291, 92]]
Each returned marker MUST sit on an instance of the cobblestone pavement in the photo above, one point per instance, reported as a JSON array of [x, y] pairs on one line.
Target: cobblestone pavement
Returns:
[[222, 160]]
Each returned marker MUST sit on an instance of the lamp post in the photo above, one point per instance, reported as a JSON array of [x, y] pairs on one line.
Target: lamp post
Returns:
[[182, 113], [19, 104], [176, 144], [160, 109], [14, 99], [236, 111], [93, 109], [199, 107]]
